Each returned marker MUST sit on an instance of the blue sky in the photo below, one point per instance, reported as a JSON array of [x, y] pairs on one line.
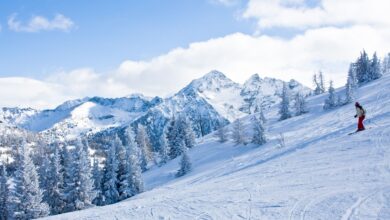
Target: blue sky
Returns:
[[107, 32], [55, 50]]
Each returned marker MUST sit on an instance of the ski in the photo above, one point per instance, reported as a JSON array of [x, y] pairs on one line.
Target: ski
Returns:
[[358, 131]]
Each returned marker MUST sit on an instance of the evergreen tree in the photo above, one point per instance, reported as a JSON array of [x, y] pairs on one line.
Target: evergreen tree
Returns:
[[87, 192], [260, 111], [68, 176], [284, 111], [27, 196], [222, 134], [123, 173], [110, 180], [164, 151], [351, 85], [386, 64], [238, 132], [54, 189], [45, 176], [97, 180], [135, 179], [330, 102], [79, 186], [172, 137], [321, 82], [179, 129], [143, 142], [363, 68], [258, 132], [185, 163], [300, 104], [317, 89], [375, 69], [187, 132], [4, 194], [262, 117]]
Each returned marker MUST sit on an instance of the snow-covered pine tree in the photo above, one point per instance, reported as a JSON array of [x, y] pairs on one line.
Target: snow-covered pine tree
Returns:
[[135, 179], [164, 151], [87, 192], [79, 187], [45, 176], [363, 68], [284, 111], [386, 65], [69, 177], [260, 111], [351, 85], [27, 196], [185, 162], [4, 194], [143, 142], [300, 104], [97, 180], [321, 82], [258, 131], [110, 180], [123, 173], [317, 89], [189, 135], [262, 116], [330, 102], [172, 134], [178, 130], [238, 132], [375, 68], [54, 191], [222, 134]]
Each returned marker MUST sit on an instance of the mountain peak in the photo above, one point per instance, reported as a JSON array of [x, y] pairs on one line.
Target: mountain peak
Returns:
[[254, 78], [139, 96], [213, 80], [214, 74]]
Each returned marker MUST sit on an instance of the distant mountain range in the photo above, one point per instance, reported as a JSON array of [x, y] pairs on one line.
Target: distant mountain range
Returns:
[[209, 102]]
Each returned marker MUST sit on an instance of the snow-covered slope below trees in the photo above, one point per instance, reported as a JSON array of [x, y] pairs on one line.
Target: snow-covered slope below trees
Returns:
[[321, 173]]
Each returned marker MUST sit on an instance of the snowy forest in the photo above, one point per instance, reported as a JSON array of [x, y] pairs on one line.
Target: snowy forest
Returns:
[[45, 173]]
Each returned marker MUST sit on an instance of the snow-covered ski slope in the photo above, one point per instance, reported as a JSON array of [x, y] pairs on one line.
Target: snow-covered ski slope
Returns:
[[321, 173]]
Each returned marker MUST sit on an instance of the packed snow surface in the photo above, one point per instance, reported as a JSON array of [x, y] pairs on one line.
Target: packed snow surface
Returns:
[[321, 173]]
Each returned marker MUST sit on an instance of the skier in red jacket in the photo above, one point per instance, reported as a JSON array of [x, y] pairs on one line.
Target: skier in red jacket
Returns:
[[361, 114]]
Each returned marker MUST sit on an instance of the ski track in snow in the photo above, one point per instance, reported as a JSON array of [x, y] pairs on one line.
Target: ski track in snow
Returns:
[[322, 173]]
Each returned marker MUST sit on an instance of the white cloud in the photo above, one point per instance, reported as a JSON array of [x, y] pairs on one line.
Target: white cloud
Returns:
[[39, 23], [23, 92], [238, 55], [296, 14]]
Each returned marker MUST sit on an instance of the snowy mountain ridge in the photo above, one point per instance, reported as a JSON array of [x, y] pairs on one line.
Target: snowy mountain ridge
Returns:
[[212, 96]]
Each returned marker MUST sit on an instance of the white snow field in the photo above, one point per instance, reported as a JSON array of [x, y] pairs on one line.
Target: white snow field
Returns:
[[321, 173]]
